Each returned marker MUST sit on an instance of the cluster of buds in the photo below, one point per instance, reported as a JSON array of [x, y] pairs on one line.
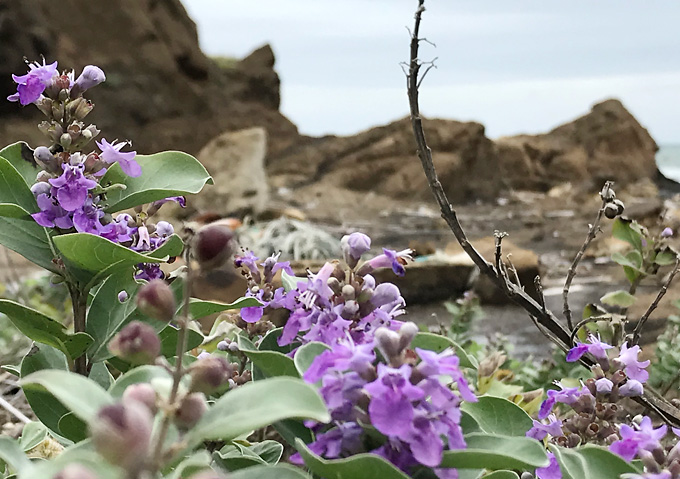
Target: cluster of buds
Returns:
[[613, 207]]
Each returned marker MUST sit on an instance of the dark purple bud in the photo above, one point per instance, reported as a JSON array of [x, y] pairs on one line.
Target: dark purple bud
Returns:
[[353, 246], [75, 471], [212, 245], [208, 374], [611, 211], [190, 410], [90, 76], [121, 433], [157, 301], [137, 343], [143, 393]]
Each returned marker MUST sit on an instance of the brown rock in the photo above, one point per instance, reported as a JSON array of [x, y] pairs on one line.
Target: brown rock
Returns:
[[606, 144]]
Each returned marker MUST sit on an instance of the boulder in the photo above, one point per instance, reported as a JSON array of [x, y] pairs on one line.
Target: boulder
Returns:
[[606, 144], [235, 159], [382, 160]]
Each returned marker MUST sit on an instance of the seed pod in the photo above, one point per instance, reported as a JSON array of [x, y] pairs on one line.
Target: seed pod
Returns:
[[213, 245], [137, 343], [156, 300], [611, 211], [190, 410]]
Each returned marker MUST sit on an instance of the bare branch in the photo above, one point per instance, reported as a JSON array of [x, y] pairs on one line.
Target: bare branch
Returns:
[[542, 317], [641, 322], [592, 232]]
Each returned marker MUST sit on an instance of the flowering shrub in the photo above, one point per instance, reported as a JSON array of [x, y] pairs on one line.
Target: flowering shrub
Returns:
[[134, 391]]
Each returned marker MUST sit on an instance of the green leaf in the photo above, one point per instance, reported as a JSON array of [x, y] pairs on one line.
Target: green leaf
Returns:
[[281, 471], [623, 230], [199, 308], [44, 329], [269, 451], [100, 374], [75, 454], [22, 235], [140, 374], [292, 429], [169, 337], [12, 453], [270, 342], [502, 475], [82, 396], [620, 298], [197, 462], [256, 405], [92, 258], [666, 257], [33, 434], [496, 415], [169, 173], [632, 259], [10, 210], [491, 451], [590, 461], [290, 282], [43, 404], [270, 363], [72, 428], [438, 343], [27, 168], [360, 466], [306, 354]]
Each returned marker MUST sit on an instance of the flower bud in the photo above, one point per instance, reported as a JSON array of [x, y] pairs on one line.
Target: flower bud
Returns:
[[620, 207], [667, 233], [80, 108], [631, 388], [348, 292], [122, 296], [75, 471], [143, 393], [388, 342], [190, 410], [157, 301], [407, 332], [44, 157], [89, 77], [212, 245], [121, 433], [65, 140], [137, 343], [41, 188], [208, 374], [353, 246], [611, 211], [386, 293]]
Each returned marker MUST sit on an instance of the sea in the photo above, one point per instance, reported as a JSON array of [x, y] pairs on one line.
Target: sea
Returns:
[[668, 161]]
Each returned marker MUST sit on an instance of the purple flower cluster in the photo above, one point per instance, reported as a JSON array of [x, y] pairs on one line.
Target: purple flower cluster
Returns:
[[404, 399], [67, 189]]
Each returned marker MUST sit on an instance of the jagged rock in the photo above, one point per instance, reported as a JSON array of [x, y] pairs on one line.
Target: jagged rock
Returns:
[[161, 90], [235, 159], [606, 144], [383, 160]]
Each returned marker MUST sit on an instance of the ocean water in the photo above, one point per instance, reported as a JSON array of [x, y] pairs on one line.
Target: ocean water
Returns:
[[668, 161]]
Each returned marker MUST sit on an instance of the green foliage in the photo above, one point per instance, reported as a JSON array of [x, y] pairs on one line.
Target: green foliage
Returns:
[[165, 174], [235, 456], [620, 298], [664, 373], [494, 452], [438, 343], [495, 415], [270, 363], [590, 461]]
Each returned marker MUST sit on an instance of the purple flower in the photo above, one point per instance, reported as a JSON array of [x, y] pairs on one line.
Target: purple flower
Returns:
[[667, 233], [604, 386], [317, 286], [634, 369], [633, 440], [120, 231], [631, 388], [181, 200], [391, 409], [564, 395], [390, 258], [88, 220], [386, 293], [445, 364], [344, 355], [149, 271], [539, 431], [354, 245], [90, 76], [51, 214], [31, 86], [164, 229], [345, 439], [252, 314], [596, 347], [72, 187], [111, 154], [551, 471]]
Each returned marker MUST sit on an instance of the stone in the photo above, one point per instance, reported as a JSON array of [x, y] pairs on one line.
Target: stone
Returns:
[[236, 162], [606, 144]]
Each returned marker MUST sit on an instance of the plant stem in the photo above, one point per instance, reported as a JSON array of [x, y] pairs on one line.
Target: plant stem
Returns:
[[79, 304], [178, 372]]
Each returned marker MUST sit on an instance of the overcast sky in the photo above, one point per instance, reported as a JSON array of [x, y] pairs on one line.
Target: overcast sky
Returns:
[[515, 66]]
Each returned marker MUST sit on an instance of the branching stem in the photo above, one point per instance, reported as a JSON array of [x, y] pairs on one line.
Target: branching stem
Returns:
[[637, 332]]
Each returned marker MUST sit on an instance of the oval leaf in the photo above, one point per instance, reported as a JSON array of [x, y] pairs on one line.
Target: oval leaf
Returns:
[[165, 174], [82, 396], [10, 210], [491, 451], [12, 453], [620, 298], [438, 343], [306, 354], [590, 461], [496, 415], [256, 405], [20, 156], [360, 466], [270, 363], [281, 471]]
